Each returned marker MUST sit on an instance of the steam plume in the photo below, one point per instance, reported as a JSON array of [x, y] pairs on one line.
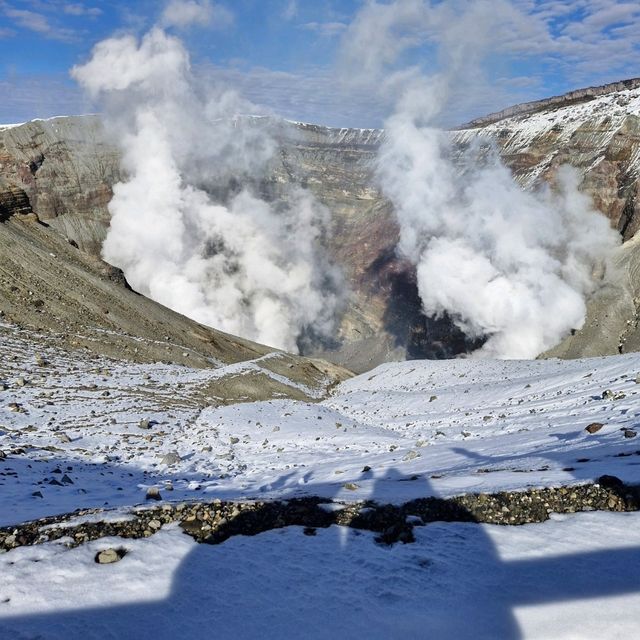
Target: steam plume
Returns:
[[233, 262], [508, 265]]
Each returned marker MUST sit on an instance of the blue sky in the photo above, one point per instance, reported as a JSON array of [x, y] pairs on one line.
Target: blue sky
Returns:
[[283, 54]]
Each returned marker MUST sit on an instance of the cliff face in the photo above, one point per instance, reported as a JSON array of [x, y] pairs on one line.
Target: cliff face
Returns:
[[63, 169]]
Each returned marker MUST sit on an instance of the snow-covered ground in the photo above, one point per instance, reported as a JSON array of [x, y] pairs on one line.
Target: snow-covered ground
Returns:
[[572, 577], [72, 430], [73, 435]]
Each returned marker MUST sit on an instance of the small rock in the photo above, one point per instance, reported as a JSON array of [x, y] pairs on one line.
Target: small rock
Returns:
[[37, 494], [432, 398], [155, 524], [630, 433], [607, 394], [145, 423], [153, 493], [108, 556], [63, 437], [594, 427], [351, 486], [366, 469], [171, 458], [411, 455], [3, 455], [21, 382], [234, 440], [40, 361]]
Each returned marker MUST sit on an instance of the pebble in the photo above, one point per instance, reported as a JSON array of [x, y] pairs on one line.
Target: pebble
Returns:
[[153, 493], [171, 458], [594, 427], [108, 556]]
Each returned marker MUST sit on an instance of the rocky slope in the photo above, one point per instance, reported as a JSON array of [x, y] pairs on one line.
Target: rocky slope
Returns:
[[53, 283], [63, 170]]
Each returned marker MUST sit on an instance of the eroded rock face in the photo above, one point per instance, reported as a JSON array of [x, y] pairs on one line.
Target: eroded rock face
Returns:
[[66, 168], [63, 170]]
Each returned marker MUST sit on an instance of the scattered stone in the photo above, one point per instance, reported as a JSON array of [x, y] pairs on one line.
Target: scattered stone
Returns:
[[594, 427], [153, 493], [155, 524], [3, 455], [366, 469], [234, 440], [411, 455], [351, 486], [432, 398], [63, 437], [630, 433], [145, 423], [40, 361], [66, 479], [21, 382], [607, 394], [109, 556], [171, 458]]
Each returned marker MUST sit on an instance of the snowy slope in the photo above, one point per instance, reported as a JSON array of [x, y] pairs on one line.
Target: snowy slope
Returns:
[[454, 426], [550, 132], [74, 434]]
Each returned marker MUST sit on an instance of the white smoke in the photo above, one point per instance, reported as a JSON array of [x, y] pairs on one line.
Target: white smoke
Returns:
[[234, 261], [505, 264]]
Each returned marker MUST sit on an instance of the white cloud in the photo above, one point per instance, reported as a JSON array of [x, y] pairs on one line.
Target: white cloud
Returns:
[[325, 29], [186, 13], [291, 10], [37, 22], [29, 97], [79, 9]]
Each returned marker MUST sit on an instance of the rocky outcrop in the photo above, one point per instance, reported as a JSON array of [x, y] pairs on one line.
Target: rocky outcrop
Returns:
[[66, 168], [13, 201]]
